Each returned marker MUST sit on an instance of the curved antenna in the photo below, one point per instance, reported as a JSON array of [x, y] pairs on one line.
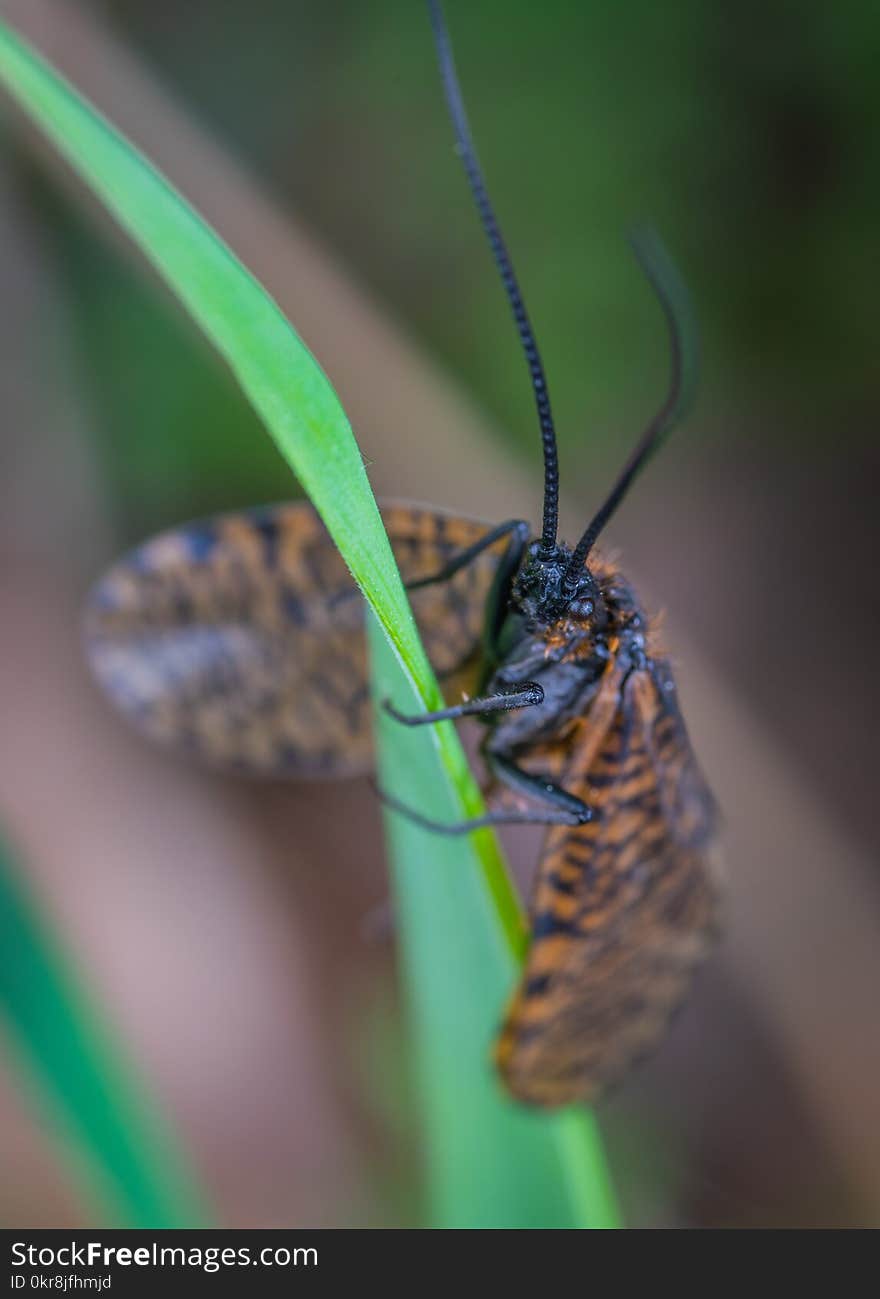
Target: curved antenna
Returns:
[[473, 171], [675, 301]]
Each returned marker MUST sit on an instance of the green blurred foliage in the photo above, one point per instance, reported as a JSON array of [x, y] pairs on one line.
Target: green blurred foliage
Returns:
[[175, 436], [77, 1077], [746, 133]]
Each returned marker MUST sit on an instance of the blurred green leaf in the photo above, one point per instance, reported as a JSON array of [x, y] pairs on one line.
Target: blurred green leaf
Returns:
[[490, 1161], [92, 1097]]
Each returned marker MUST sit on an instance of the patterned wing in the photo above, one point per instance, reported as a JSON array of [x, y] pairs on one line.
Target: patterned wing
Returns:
[[624, 907], [240, 639]]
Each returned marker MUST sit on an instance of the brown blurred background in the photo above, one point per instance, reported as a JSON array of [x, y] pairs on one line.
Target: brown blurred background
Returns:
[[220, 925]]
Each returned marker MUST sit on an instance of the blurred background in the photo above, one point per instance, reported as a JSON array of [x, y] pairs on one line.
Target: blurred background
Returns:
[[220, 925]]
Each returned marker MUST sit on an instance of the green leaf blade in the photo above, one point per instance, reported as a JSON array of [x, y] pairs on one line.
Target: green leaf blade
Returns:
[[120, 1144], [492, 1163], [278, 374]]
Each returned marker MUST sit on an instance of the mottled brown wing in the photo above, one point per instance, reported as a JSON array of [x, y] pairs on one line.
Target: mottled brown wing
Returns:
[[240, 639], [624, 907]]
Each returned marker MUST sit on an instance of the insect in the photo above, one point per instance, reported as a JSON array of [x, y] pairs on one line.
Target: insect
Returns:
[[239, 640]]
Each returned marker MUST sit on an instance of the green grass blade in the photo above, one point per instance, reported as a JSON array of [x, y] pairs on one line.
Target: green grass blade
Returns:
[[287, 388], [112, 1133], [492, 1164]]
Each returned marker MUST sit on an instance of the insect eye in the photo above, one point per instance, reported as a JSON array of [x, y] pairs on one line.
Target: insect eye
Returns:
[[582, 608]]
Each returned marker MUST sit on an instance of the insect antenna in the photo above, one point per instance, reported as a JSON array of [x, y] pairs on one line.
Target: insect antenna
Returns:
[[474, 173], [675, 301]]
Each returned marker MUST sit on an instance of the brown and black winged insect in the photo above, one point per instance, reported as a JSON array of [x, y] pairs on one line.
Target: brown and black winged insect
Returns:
[[239, 640]]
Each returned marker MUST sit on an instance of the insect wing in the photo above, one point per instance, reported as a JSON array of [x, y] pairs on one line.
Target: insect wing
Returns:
[[240, 639], [624, 906]]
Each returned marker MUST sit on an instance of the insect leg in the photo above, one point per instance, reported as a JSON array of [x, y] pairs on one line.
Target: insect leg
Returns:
[[556, 816], [525, 695], [507, 564], [517, 544], [499, 591], [538, 788]]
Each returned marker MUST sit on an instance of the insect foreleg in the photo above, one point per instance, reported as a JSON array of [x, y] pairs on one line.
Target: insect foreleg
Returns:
[[516, 545], [524, 695], [498, 596], [502, 817], [538, 788]]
